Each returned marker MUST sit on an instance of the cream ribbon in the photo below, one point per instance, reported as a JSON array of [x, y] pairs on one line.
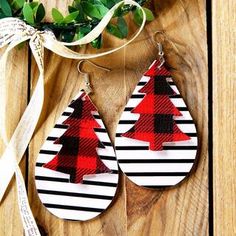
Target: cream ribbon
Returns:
[[13, 31]]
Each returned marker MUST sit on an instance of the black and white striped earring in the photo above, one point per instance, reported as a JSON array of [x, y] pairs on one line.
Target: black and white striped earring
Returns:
[[76, 171], [156, 141]]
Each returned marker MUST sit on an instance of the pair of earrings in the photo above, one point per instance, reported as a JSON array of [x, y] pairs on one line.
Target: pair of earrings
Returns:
[[77, 170]]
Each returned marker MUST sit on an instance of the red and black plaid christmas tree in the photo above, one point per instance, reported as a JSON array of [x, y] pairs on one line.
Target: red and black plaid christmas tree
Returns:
[[78, 155], [156, 124]]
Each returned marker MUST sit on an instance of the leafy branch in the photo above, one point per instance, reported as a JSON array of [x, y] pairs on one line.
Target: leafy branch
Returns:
[[82, 17]]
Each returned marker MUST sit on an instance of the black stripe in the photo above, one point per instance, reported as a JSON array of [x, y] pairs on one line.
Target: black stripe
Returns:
[[140, 148], [100, 130], [48, 152], [128, 108], [126, 122], [156, 173], [119, 135], [141, 83], [144, 161], [39, 164], [137, 95], [110, 158], [184, 122], [96, 116], [60, 126], [129, 148], [182, 108], [71, 194], [51, 138], [108, 144], [45, 178], [176, 96], [88, 182], [66, 113], [75, 208], [171, 83], [179, 147]]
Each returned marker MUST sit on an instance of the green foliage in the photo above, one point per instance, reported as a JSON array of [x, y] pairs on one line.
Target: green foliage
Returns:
[[33, 12], [82, 17], [5, 8]]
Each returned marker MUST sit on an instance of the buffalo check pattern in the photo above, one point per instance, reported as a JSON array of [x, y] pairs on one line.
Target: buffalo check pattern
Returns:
[[78, 156], [156, 124]]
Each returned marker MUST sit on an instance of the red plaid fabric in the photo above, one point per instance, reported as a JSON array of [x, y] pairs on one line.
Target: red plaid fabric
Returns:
[[156, 123], [78, 155], [155, 70]]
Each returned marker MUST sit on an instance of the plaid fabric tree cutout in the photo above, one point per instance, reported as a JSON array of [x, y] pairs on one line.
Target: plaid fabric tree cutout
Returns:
[[78, 155], [156, 124]]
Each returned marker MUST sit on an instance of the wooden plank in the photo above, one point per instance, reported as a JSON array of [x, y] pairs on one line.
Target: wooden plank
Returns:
[[224, 97], [180, 211], [17, 89]]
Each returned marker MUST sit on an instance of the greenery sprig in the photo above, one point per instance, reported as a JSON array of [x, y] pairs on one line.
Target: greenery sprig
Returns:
[[82, 17]]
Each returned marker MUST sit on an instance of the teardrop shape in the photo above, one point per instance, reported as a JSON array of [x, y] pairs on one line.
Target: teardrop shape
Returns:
[[76, 171], [156, 141]]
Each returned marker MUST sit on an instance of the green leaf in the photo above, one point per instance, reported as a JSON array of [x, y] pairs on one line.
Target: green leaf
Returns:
[[72, 9], [149, 14], [33, 5], [40, 13], [91, 10], [102, 10], [28, 14], [82, 31], [97, 43], [113, 29], [137, 17], [5, 6], [71, 17], [18, 3], [57, 16], [122, 26]]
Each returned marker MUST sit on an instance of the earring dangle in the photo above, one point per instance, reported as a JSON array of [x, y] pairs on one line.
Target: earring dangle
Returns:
[[76, 171], [156, 141]]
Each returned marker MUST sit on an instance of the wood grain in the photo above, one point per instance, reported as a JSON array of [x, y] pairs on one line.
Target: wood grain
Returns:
[[224, 124], [136, 211]]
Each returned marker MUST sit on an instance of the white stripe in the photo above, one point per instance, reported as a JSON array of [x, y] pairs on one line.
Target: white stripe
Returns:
[[74, 201], [61, 119], [57, 132], [75, 188], [156, 167], [103, 137], [48, 145], [123, 141], [45, 172], [152, 155], [178, 102]]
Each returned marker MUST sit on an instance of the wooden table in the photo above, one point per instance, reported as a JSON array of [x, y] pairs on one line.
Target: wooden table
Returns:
[[187, 209]]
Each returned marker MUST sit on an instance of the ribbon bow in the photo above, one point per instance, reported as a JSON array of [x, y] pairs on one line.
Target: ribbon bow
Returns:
[[14, 31]]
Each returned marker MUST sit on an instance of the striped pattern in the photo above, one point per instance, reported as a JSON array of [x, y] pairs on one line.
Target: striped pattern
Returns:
[[156, 169], [76, 201]]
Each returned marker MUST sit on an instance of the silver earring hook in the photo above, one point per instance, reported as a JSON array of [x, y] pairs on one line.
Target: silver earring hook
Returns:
[[160, 48], [86, 86]]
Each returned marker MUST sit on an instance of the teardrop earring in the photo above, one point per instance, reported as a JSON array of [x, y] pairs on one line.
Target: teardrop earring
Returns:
[[156, 141], [76, 170]]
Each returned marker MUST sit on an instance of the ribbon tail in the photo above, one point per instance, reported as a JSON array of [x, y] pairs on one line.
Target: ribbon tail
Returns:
[[21, 137]]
